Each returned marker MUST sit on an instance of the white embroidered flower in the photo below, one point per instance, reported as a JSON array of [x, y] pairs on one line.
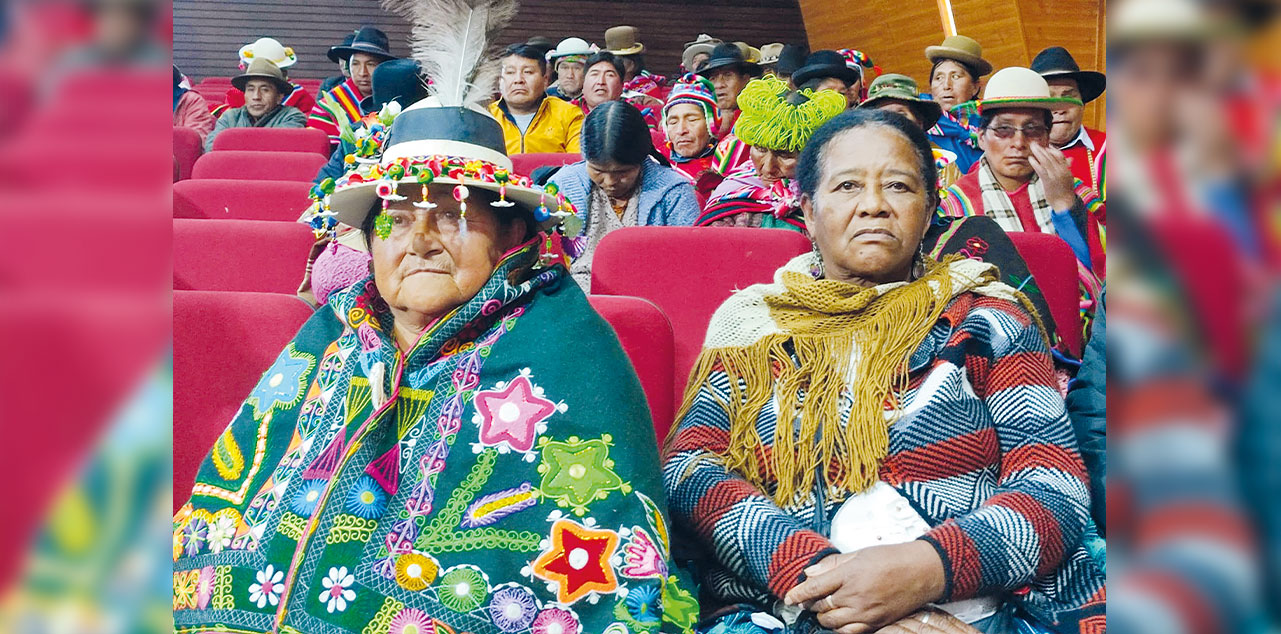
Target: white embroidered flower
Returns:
[[267, 590], [221, 531], [337, 590]]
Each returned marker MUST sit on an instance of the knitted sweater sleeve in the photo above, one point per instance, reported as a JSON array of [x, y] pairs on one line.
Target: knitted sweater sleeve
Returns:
[[679, 205], [1041, 505], [740, 527]]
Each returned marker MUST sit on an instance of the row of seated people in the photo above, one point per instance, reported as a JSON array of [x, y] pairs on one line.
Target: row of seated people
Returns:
[[877, 437], [468, 304]]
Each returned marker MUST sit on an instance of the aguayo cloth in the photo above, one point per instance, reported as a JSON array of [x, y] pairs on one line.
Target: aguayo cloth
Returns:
[[975, 437], [744, 192], [476, 484]]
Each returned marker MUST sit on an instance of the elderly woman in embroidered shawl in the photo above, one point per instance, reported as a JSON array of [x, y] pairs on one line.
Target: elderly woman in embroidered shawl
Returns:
[[874, 441], [424, 456]]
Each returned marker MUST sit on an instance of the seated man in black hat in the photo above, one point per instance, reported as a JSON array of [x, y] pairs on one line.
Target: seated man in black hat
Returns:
[[729, 73], [827, 70], [1084, 147], [367, 50], [264, 87]]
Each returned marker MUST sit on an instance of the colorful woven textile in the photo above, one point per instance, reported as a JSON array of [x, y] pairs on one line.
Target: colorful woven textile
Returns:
[[474, 484], [348, 97], [744, 192]]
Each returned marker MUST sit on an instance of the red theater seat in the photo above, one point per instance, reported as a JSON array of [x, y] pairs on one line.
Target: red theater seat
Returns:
[[525, 164], [688, 272], [1053, 265], [646, 336], [216, 198], [274, 140], [239, 255], [186, 149], [222, 343], [262, 166]]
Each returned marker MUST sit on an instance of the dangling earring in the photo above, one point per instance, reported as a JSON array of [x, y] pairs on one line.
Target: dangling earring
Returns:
[[816, 267], [918, 269]]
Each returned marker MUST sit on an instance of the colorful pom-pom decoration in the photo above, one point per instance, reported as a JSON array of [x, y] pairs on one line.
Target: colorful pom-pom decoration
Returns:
[[386, 190]]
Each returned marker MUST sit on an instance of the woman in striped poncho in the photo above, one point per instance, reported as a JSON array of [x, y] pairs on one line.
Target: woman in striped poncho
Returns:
[[874, 441]]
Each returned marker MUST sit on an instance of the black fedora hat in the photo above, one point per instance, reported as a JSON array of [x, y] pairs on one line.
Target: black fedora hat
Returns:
[[368, 40], [1056, 61], [333, 50], [825, 64], [791, 59], [397, 80], [725, 55]]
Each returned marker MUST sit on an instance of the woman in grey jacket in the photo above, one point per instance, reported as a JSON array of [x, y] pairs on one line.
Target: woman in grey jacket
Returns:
[[622, 182]]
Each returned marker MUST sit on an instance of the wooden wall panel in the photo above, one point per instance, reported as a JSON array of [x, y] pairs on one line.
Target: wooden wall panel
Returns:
[[895, 32], [207, 34]]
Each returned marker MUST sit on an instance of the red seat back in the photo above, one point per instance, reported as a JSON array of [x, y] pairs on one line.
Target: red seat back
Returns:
[[273, 140], [222, 343], [688, 272], [1053, 265], [261, 166], [646, 336], [216, 198], [239, 255], [16, 98], [525, 164], [186, 149]]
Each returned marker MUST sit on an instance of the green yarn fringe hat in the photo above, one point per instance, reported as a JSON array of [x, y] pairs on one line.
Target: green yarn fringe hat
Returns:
[[779, 118]]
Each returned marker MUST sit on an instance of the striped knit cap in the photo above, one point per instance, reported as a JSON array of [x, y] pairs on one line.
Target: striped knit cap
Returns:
[[699, 91]]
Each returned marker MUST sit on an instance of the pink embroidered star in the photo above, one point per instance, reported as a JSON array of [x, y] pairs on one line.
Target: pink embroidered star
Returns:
[[512, 415]]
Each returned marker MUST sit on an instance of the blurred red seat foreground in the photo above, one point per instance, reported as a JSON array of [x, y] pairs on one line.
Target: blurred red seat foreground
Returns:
[[239, 255], [259, 165]]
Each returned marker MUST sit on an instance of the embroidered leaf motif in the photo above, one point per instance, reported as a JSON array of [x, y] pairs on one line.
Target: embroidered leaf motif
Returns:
[[227, 458]]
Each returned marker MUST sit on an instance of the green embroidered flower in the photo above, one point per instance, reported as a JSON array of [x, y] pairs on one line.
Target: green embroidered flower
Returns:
[[463, 589], [578, 471]]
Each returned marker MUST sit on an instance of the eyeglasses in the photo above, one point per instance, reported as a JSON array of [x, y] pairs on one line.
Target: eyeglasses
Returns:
[[1032, 132]]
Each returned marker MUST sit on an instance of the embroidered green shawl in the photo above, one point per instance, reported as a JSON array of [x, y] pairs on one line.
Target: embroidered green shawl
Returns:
[[501, 477]]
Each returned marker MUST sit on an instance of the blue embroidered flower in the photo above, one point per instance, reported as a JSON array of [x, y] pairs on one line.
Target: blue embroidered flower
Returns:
[[367, 499], [282, 383], [308, 496], [642, 604]]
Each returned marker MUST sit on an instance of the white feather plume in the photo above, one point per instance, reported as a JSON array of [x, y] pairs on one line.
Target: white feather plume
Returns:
[[451, 40]]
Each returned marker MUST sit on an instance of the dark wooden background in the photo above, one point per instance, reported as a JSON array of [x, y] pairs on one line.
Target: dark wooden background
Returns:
[[207, 34]]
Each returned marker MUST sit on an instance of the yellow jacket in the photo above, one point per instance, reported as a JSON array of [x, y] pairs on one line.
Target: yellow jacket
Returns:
[[555, 128]]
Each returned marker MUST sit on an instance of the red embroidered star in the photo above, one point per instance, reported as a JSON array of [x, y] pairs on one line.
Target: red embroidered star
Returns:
[[512, 415], [578, 561]]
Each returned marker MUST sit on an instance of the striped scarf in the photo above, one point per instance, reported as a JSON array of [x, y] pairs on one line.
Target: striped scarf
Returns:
[[997, 203]]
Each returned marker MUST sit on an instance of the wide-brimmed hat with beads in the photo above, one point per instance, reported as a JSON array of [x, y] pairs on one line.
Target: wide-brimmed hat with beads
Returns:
[[430, 144]]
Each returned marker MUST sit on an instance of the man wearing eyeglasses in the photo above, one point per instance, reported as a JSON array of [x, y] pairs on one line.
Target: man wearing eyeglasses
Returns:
[[1022, 181]]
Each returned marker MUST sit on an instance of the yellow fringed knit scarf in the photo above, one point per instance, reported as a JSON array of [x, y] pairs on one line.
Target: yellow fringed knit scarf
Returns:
[[829, 324]]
